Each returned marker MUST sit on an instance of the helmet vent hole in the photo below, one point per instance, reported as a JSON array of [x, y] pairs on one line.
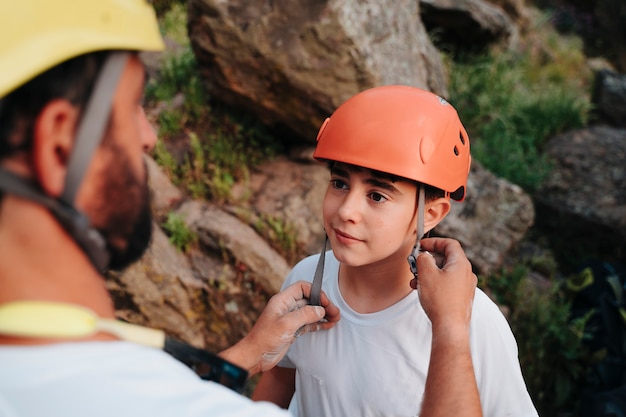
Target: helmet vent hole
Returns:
[[456, 151], [462, 138]]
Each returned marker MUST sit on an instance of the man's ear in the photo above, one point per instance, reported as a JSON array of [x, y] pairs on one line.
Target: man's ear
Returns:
[[435, 211], [53, 137]]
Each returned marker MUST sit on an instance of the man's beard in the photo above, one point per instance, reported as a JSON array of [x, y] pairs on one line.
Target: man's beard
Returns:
[[129, 217], [137, 242]]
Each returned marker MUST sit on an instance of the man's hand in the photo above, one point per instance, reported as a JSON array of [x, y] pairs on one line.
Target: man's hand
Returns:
[[286, 316], [447, 292]]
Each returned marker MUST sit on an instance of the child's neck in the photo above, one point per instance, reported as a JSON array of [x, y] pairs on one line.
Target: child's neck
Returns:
[[372, 288]]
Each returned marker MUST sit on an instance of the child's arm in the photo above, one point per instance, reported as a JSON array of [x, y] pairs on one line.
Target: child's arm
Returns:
[[276, 385]]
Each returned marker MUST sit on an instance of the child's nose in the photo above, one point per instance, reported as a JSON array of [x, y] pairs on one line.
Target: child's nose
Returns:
[[350, 208]]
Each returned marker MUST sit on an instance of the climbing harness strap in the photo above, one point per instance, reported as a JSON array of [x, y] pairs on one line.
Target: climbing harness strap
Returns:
[[43, 319]]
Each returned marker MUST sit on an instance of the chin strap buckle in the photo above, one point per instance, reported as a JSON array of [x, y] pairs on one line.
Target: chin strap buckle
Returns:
[[412, 264]]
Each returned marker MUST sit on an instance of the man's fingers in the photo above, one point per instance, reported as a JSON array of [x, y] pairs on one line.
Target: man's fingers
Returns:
[[301, 290], [310, 319], [426, 266], [449, 248]]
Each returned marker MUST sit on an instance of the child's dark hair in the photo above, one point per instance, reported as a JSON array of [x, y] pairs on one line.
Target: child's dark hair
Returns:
[[430, 192]]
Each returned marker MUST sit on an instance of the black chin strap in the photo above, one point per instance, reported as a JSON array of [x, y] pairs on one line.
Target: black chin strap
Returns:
[[72, 220]]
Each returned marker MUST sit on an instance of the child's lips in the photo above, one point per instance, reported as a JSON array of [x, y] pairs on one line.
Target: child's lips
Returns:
[[345, 237]]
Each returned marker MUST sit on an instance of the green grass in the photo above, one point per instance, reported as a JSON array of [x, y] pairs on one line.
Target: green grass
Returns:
[[281, 236], [173, 20], [178, 74], [510, 112], [213, 161], [180, 235], [512, 102]]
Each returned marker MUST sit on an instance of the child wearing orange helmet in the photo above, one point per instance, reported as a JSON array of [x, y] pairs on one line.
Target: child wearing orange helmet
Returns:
[[396, 154]]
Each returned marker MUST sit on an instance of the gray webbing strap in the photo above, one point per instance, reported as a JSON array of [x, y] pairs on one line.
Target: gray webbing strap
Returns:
[[75, 222], [420, 229], [316, 287], [21, 187], [93, 123]]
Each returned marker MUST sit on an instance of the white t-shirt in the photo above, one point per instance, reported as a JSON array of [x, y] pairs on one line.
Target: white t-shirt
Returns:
[[112, 379], [374, 365]]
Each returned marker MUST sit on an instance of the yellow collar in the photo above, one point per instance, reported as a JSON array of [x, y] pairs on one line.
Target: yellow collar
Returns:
[[45, 319]]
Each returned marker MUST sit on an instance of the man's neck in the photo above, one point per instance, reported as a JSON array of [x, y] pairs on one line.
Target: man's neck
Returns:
[[39, 261]]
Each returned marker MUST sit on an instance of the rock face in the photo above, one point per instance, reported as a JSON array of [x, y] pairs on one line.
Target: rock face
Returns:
[[292, 63], [221, 232], [609, 97], [588, 183], [469, 25], [494, 217]]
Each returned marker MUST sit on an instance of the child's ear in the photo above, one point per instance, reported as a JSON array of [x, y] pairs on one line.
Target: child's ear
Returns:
[[53, 136], [435, 211]]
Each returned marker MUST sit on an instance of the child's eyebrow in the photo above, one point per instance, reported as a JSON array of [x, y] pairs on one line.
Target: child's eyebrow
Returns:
[[382, 184], [340, 172], [373, 180]]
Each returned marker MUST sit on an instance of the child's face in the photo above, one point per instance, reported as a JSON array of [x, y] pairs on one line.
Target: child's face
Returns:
[[369, 219]]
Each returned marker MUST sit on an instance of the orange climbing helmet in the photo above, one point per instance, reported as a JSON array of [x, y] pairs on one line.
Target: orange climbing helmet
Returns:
[[400, 130]]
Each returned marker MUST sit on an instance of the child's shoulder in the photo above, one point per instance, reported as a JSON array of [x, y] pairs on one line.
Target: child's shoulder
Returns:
[[305, 268], [485, 308], [312, 260]]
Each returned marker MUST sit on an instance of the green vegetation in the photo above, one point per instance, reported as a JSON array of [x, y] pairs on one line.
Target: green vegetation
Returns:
[[203, 148], [178, 77], [512, 102], [281, 236], [180, 235], [510, 108], [173, 19], [550, 343], [212, 162]]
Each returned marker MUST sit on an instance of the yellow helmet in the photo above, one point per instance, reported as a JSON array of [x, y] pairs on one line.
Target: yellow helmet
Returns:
[[36, 35]]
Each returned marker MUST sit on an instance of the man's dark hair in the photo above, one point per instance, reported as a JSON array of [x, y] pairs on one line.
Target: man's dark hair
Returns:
[[72, 80]]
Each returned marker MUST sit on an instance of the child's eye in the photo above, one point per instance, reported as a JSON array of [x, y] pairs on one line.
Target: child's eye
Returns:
[[378, 198], [338, 184]]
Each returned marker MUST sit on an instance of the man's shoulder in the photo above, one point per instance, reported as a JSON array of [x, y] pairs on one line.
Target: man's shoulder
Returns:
[[76, 358], [110, 378]]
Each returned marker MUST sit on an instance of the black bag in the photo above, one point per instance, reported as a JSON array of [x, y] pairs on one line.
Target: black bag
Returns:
[[600, 293]]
